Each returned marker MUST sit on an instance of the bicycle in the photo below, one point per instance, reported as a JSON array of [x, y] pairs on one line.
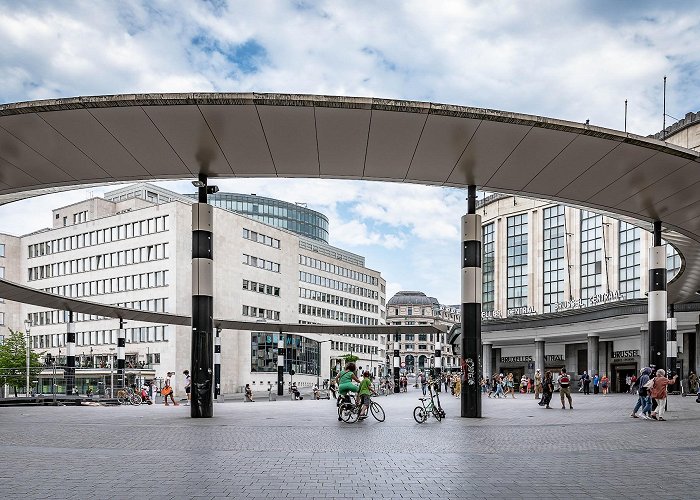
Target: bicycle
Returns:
[[421, 413], [349, 411], [127, 395]]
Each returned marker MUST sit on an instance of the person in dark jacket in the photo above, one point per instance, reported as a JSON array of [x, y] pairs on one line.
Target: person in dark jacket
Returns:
[[644, 401], [547, 390]]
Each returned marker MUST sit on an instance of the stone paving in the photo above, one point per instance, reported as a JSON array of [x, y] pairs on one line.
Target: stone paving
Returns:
[[298, 449]]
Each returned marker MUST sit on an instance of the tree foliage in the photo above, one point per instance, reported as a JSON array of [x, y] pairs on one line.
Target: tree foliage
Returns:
[[13, 361], [350, 358]]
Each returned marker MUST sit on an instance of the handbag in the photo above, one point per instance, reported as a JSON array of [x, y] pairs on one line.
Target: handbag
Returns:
[[649, 384], [166, 390]]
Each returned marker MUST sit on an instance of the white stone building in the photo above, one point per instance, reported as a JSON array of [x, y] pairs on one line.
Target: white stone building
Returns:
[[133, 248]]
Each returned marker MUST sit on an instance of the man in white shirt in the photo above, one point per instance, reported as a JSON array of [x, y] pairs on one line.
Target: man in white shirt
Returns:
[[188, 386]]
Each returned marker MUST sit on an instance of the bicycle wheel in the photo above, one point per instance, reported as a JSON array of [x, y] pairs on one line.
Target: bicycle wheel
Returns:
[[437, 413], [349, 413], [121, 397], [419, 414], [377, 411]]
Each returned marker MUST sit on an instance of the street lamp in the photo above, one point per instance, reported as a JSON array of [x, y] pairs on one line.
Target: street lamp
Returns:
[[111, 372], [27, 328]]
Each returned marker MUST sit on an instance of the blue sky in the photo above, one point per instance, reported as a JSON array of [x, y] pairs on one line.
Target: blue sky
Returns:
[[571, 60]]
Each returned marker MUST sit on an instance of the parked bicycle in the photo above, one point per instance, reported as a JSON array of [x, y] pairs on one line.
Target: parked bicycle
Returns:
[[349, 411], [127, 395], [421, 413]]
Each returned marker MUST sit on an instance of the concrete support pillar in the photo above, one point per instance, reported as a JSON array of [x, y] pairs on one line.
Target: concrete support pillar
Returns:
[[539, 356], [438, 364], [121, 354], [217, 364], [70, 354], [471, 308], [656, 303], [694, 350], [202, 353], [487, 359], [643, 348], [397, 364], [593, 364], [280, 366]]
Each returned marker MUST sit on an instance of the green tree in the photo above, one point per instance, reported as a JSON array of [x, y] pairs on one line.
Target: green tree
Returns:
[[13, 361], [350, 358]]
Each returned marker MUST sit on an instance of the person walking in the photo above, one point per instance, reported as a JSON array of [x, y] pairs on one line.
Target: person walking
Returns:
[[643, 402], [693, 382], [604, 382], [168, 390], [458, 387], [510, 385], [538, 383], [547, 390], [423, 382], [188, 386], [659, 391], [586, 383], [596, 383], [565, 389]]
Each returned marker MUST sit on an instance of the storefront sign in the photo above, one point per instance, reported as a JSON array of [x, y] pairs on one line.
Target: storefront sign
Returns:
[[521, 311], [491, 315], [569, 304], [554, 357], [601, 298], [625, 354], [516, 359]]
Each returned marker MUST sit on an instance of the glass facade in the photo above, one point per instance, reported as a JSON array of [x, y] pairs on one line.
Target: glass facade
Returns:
[[488, 268], [591, 254], [277, 213], [553, 257], [517, 261], [673, 262], [300, 354], [630, 261]]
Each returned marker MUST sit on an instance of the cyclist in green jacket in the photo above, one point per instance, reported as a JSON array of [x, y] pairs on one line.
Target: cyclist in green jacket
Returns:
[[345, 380], [366, 390]]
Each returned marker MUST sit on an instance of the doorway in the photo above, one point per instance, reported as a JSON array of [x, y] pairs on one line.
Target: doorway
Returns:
[[619, 382]]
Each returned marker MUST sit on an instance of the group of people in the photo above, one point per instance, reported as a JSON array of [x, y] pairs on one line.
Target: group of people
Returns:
[[600, 384], [348, 382], [500, 385], [653, 390]]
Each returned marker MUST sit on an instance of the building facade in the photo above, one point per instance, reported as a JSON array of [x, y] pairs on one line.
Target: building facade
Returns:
[[417, 351], [133, 248], [565, 287]]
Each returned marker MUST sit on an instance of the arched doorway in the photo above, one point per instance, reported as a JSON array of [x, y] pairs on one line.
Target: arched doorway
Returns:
[[410, 363], [421, 362]]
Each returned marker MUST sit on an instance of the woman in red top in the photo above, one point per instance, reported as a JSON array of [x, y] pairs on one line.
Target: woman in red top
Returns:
[[659, 391]]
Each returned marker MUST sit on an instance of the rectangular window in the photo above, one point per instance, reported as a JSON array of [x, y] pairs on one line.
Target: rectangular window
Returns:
[[591, 254], [488, 283], [630, 264], [554, 240], [517, 246], [673, 262]]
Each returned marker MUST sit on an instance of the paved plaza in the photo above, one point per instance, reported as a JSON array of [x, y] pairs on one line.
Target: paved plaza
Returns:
[[298, 449]]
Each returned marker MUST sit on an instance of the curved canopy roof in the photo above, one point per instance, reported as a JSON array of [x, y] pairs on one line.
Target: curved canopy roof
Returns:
[[62, 144]]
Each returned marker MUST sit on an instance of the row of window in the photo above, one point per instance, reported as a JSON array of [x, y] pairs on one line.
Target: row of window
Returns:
[[300, 354], [268, 265], [254, 286], [350, 347], [322, 312], [55, 316], [259, 312], [315, 279], [329, 298], [112, 285], [102, 337], [260, 238], [147, 253], [322, 265], [100, 236]]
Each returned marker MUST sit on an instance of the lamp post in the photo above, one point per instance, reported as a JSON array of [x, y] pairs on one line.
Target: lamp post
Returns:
[[111, 372], [27, 328]]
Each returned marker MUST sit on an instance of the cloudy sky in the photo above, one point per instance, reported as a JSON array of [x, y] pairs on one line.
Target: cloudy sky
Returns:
[[572, 60]]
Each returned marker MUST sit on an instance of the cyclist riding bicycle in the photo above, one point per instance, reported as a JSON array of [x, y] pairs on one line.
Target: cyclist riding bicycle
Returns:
[[366, 390], [345, 381]]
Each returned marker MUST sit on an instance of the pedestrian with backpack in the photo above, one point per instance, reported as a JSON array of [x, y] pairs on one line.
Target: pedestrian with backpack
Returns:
[[565, 389]]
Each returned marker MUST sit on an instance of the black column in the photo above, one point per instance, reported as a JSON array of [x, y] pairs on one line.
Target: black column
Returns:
[[202, 358], [471, 309], [397, 363], [280, 366], [657, 300], [121, 349], [438, 363], [70, 355], [217, 364]]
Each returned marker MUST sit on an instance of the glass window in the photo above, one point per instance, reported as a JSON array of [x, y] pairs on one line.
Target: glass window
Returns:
[[488, 294], [591, 254], [554, 236], [517, 252], [629, 264]]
